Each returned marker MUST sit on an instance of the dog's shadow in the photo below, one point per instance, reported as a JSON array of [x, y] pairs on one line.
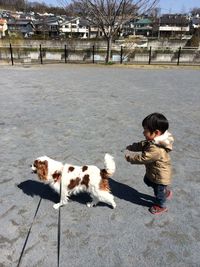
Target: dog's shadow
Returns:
[[34, 188], [122, 191]]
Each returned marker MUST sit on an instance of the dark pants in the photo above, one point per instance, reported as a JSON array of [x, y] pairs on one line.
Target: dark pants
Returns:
[[159, 191]]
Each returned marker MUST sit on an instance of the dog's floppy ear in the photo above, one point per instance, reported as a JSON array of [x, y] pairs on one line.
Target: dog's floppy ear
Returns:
[[42, 169], [36, 163]]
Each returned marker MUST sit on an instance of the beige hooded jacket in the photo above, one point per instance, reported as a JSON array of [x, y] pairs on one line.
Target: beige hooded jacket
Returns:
[[155, 157]]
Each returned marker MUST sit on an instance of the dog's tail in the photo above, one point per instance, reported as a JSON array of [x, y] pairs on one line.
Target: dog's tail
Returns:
[[106, 173], [109, 164]]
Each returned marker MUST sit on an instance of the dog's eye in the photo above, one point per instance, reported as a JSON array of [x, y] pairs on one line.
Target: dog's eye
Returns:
[[35, 164]]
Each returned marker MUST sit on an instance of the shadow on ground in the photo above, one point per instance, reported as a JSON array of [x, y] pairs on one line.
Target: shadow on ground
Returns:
[[119, 190], [125, 192], [35, 188]]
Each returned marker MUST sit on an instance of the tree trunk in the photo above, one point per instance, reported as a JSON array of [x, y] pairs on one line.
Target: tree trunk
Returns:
[[109, 48]]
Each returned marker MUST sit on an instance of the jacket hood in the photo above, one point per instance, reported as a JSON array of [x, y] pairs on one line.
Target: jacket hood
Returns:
[[165, 140]]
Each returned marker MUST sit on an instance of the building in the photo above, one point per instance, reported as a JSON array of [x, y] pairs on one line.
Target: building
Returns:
[[75, 27], [24, 27], [47, 26], [3, 27], [174, 25], [144, 26], [195, 22]]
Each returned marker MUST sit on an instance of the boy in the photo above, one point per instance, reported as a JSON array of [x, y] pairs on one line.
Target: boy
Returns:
[[155, 156]]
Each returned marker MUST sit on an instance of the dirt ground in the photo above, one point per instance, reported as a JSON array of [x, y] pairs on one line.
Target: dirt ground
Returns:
[[75, 114]]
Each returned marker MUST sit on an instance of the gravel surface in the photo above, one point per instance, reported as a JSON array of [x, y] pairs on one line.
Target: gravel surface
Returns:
[[75, 114]]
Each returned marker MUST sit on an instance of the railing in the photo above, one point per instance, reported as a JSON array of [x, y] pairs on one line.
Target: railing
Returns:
[[43, 55]]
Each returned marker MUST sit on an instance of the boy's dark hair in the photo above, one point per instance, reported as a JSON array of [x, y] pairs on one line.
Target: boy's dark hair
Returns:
[[155, 121]]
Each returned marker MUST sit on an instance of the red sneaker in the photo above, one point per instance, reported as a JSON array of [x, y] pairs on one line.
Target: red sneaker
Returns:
[[157, 209], [168, 194]]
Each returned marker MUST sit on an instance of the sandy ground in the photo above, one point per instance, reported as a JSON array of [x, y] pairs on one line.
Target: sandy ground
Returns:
[[76, 114]]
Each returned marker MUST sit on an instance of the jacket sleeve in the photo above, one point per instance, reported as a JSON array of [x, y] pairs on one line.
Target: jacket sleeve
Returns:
[[135, 146], [150, 155]]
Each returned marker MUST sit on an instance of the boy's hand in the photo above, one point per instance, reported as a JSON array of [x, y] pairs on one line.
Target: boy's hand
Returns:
[[127, 156]]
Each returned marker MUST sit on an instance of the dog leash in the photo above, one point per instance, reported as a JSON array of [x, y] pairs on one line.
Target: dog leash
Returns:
[[30, 228], [29, 231], [59, 228]]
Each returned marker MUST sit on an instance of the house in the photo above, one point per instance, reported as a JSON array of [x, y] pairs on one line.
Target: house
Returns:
[[195, 22], [27, 15], [141, 26], [74, 27], [47, 26], [95, 31], [4, 14], [24, 27], [3, 27], [171, 25]]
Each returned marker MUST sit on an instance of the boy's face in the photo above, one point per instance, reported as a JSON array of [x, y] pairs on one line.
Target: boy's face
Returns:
[[150, 135]]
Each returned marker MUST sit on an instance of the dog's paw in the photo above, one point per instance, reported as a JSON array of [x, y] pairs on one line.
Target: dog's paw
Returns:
[[56, 206], [114, 205], [91, 204]]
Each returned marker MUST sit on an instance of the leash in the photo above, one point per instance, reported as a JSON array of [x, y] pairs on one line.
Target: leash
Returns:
[[29, 231], [59, 228], [58, 249], [30, 228]]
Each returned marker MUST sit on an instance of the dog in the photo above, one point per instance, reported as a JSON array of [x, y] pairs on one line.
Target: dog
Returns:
[[68, 179]]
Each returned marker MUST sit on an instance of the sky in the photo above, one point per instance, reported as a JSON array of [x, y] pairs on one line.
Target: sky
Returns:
[[167, 6]]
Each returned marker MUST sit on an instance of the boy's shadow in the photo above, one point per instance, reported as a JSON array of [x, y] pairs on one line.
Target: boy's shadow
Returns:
[[130, 194], [34, 188]]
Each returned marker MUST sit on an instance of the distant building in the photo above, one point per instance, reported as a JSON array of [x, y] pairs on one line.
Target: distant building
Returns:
[[195, 22], [47, 26], [174, 25], [50, 25], [24, 27], [75, 27], [143, 26], [3, 27]]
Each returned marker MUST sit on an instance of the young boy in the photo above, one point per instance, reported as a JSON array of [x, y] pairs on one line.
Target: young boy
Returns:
[[155, 156]]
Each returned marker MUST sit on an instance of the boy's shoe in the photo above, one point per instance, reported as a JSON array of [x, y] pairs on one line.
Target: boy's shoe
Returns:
[[168, 194], [157, 209]]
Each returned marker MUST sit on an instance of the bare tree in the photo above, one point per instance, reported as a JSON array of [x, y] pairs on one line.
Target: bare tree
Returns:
[[13, 4], [195, 11], [110, 15]]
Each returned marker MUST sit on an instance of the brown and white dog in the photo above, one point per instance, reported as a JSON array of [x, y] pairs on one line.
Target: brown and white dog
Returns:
[[76, 179]]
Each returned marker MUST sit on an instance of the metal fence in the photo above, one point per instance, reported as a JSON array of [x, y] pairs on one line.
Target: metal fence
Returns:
[[44, 55]]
